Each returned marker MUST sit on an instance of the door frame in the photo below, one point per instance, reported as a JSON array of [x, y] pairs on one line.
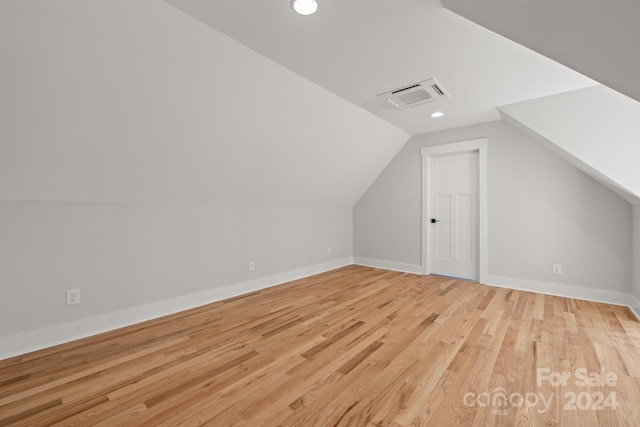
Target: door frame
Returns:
[[481, 146]]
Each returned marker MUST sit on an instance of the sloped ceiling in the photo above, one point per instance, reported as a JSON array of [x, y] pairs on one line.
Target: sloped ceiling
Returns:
[[360, 48], [133, 101], [597, 129], [595, 37]]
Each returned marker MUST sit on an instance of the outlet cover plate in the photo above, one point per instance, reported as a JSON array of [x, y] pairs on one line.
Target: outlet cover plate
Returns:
[[72, 296]]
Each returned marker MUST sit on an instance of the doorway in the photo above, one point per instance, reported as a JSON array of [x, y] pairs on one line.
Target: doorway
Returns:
[[454, 209]]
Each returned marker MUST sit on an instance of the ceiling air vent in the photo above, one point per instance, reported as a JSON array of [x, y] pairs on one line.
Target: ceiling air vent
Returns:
[[414, 95]]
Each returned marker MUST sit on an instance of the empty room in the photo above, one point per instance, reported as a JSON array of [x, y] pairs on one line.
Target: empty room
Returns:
[[319, 213]]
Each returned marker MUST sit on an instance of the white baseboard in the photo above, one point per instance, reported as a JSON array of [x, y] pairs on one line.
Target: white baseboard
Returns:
[[567, 291], [634, 306], [389, 265], [38, 339], [27, 342]]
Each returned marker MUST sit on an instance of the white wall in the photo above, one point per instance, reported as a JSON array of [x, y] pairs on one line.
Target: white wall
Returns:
[[126, 255], [636, 259], [145, 156], [135, 101], [541, 211], [597, 38], [596, 128]]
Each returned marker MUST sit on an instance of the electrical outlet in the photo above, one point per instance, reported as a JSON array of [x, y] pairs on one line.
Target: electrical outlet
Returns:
[[329, 251], [72, 296], [557, 269], [252, 265]]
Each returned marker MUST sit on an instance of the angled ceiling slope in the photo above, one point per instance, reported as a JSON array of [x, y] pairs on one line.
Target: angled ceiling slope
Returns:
[[358, 49], [596, 129], [595, 37], [135, 101]]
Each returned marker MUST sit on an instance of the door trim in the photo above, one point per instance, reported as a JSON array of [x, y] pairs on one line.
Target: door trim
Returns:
[[481, 146]]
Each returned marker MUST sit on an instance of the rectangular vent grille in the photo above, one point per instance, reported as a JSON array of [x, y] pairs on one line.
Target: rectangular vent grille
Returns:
[[415, 98], [414, 95], [437, 89], [405, 89]]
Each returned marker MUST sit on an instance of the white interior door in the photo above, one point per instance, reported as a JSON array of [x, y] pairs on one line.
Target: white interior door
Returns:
[[453, 215]]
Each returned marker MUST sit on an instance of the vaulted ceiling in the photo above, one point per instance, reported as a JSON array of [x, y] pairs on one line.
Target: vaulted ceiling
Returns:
[[358, 49], [361, 48], [597, 129], [598, 38], [134, 101], [244, 101]]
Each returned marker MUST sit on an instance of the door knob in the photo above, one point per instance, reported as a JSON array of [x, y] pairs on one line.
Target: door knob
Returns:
[[433, 220]]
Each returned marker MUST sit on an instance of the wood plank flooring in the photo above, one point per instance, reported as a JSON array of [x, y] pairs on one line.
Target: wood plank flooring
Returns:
[[352, 347]]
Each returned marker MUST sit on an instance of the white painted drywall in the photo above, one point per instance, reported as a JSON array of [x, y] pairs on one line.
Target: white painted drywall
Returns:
[[597, 129], [135, 101], [595, 37], [541, 210], [635, 290], [145, 156], [127, 255], [360, 48]]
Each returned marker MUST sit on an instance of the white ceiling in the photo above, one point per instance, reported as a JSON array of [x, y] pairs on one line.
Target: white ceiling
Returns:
[[598, 38], [360, 48], [136, 102], [598, 133]]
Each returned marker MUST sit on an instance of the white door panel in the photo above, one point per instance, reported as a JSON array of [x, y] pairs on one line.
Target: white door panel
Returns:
[[453, 196], [443, 231]]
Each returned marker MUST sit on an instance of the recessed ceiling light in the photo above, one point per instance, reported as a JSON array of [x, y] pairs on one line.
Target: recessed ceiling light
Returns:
[[437, 114], [304, 7]]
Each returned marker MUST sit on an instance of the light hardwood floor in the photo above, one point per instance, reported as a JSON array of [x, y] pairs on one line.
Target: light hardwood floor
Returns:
[[356, 346]]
